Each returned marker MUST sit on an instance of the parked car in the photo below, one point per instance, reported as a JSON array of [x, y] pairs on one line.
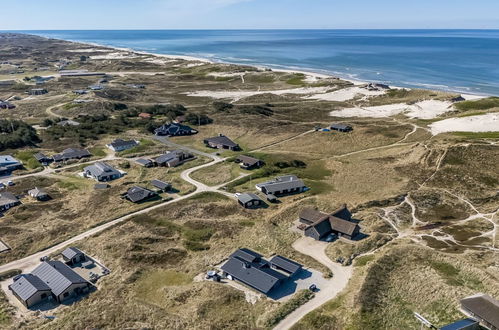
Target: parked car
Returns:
[[313, 288]]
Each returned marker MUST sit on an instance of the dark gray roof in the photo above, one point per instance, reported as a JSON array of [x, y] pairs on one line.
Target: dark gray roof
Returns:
[[341, 126], [122, 143], [168, 157], [137, 194], [484, 307], [250, 161], [27, 285], [222, 140], [174, 129], [286, 264], [40, 156], [71, 252], [72, 153], [312, 215], [160, 184], [246, 255], [143, 161], [248, 197], [258, 276], [342, 213], [7, 198], [57, 275]]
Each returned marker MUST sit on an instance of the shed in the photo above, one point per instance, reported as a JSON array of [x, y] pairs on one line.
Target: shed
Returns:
[[73, 255]]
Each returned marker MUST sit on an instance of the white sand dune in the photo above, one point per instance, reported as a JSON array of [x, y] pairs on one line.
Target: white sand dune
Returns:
[[482, 123], [237, 95], [424, 110], [114, 56], [89, 50], [345, 94]]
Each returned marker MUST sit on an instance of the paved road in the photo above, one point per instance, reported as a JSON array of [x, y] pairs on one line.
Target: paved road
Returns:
[[341, 276]]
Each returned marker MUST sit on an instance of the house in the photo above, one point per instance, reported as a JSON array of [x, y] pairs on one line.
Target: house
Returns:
[[249, 200], [6, 105], [121, 145], [39, 194], [282, 185], [71, 153], [43, 159], [9, 164], [30, 290], [466, 324], [319, 225], [145, 115], [249, 163], [145, 162], [138, 194], [64, 283], [68, 122], [8, 200], [72, 256], [221, 142], [482, 308], [102, 171], [341, 128], [173, 158], [136, 86], [286, 265], [38, 91], [80, 92], [174, 129], [161, 185], [249, 268]]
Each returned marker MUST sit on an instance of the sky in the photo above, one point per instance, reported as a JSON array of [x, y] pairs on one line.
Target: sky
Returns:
[[248, 14]]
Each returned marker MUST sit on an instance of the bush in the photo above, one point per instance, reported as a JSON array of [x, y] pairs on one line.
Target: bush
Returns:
[[222, 106], [284, 310], [482, 104], [198, 119], [256, 110], [9, 274], [16, 134]]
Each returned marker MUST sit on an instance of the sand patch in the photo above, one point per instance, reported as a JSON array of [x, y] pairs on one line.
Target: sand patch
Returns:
[[114, 56], [89, 50], [237, 95], [424, 110], [345, 94], [481, 123]]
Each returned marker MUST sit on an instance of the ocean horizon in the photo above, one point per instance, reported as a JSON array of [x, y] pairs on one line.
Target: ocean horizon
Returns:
[[464, 61]]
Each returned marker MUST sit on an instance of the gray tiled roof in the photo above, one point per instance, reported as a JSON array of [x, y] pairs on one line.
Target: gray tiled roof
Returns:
[[286, 264], [27, 285], [71, 252], [57, 276], [250, 161], [484, 307], [122, 143], [286, 182]]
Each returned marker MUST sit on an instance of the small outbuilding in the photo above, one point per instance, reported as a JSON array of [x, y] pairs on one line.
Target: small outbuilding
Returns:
[[73, 256], [39, 194]]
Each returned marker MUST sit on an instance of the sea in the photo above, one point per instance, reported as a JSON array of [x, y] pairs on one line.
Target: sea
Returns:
[[465, 61]]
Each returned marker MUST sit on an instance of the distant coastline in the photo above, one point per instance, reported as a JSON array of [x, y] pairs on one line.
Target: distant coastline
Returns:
[[140, 48]]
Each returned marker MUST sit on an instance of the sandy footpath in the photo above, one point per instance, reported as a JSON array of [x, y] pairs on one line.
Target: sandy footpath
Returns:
[[482, 123]]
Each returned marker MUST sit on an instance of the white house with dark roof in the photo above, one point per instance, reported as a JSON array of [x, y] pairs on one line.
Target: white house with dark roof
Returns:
[[9, 164], [8, 200]]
